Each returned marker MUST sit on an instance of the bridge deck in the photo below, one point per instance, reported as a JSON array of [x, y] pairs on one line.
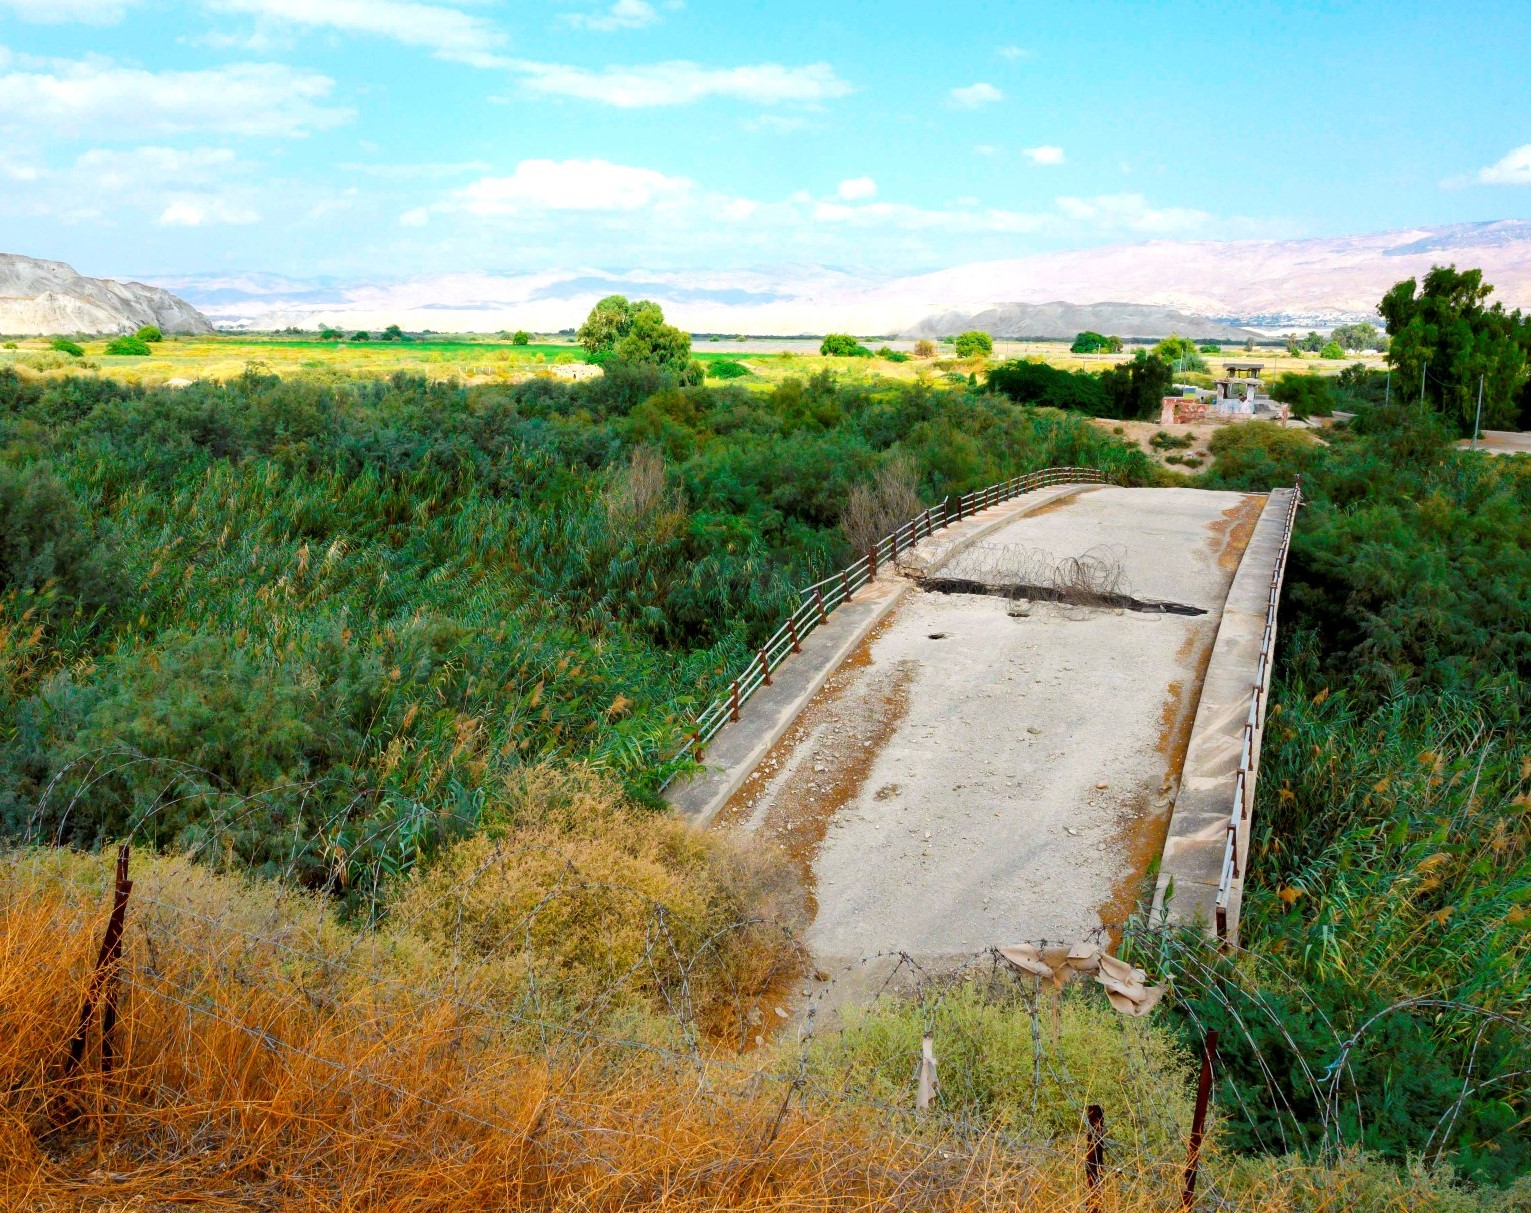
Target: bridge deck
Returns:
[[969, 776]]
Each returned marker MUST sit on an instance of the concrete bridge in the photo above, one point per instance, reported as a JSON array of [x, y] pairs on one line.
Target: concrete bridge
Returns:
[[1036, 718]]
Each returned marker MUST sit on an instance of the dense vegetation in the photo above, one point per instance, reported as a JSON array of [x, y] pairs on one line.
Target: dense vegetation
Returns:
[[1392, 855], [314, 626], [1129, 391]]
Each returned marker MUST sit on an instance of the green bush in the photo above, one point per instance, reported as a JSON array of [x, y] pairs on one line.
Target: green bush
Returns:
[[723, 368], [150, 333], [888, 354], [1332, 350], [64, 346], [520, 337], [974, 344], [134, 347], [843, 345]]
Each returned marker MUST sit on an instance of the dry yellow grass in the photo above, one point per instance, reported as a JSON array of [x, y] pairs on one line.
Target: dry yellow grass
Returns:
[[273, 1058]]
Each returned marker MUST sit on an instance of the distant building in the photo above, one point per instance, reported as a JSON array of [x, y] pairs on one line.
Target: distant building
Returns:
[[1237, 396]]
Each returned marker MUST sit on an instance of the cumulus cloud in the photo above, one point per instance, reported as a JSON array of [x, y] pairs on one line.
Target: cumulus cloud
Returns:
[[1130, 212], [569, 185], [681, 82], [1513, 168], [856, 188], [447, 32], [1014, 53], [205, 210], [624, 14], [975, 95], [78, 97], [1045, 154], [173, 187], [58, 12]]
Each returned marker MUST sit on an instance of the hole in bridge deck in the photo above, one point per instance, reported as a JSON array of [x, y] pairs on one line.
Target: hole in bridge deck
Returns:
[[1066, 595], [937, 636]]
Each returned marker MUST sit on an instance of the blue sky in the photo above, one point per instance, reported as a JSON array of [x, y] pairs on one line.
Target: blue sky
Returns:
[[384, 138]]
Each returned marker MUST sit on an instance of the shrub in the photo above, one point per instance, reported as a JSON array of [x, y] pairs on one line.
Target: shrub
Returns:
[[924, 348], [1164, 441], [843, 345], [1090, 342], [64, 346], [1211, 348], [723, 368], [520, 337], [888, 354], [150, 333], [878, 507], [329, 334], [361, 336], [129, 347], [1331, 350], [392, 333], [974, 344]]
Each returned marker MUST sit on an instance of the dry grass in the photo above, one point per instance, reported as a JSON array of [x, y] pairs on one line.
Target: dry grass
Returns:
[[273, 1058]]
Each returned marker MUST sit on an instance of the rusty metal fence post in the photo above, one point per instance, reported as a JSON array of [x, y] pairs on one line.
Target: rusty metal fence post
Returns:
[[1199, 1119], [1095, 1153], [103, 979]]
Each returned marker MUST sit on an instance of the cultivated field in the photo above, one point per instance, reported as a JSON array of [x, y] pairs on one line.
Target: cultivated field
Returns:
[[489, 359]]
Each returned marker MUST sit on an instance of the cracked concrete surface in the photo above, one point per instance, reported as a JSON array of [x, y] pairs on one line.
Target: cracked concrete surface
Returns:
[[972, 774]]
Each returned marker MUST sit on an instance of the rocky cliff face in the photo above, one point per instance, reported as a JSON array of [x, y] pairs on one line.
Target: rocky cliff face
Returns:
[[39, 298]]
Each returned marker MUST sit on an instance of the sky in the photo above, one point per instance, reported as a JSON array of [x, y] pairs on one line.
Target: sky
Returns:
[[377, 139]]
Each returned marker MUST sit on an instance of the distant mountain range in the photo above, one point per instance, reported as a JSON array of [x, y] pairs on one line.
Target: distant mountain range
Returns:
[[1200, 288], [1018, 321], [49, 297]]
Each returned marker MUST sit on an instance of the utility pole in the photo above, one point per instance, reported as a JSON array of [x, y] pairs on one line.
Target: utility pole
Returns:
[[1387, 389], [1478, 420], [1423, 375]]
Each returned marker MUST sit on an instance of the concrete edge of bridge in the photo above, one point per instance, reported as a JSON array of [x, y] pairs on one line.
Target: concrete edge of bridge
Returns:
[[1198, 828], [771, 711]]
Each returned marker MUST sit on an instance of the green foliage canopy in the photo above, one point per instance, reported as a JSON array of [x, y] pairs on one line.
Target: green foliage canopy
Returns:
[[974, 343], [135, 347], [1445, 336]]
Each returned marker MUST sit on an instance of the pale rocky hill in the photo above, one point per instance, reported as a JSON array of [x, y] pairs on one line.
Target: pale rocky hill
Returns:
[[1019, 321], [39, 298], [1270, 285]]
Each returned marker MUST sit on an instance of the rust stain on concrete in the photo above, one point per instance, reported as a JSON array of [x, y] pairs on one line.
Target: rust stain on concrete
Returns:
[[821, 764]]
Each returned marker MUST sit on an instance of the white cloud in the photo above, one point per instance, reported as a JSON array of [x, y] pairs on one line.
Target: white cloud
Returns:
[[1046, 154], [77, 97], [1130, 212], [174, 187], [855, 188], [203, 210], [417, 217], [1014, 53], [1514, 168], [447, 32], [682, 83], [569, 185], [985, 149], [902, 216], [57, 12], [623, 14], [975, 95]]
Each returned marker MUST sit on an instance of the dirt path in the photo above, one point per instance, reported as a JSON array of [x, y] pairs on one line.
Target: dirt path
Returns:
[[982, 771]]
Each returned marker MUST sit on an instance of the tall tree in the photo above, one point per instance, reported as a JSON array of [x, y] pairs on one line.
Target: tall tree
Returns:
[[607, 324], [1446, 336]]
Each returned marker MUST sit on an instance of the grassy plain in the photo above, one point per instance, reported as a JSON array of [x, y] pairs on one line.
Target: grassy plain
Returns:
[[487, 359]]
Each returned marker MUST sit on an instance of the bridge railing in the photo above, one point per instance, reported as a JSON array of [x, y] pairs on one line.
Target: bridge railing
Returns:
[[819, 600], [1254, 724]]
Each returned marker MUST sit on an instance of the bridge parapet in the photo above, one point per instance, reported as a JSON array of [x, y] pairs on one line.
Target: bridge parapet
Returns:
[[1201, 875]]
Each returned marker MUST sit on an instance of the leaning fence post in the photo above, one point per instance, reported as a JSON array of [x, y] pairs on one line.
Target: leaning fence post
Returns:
[[1199, 1120], [765, 669], [818, 600], [103, 977], [872, 563], [733, 700], [1095, 1153], [797, 646], [927, 1076]]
